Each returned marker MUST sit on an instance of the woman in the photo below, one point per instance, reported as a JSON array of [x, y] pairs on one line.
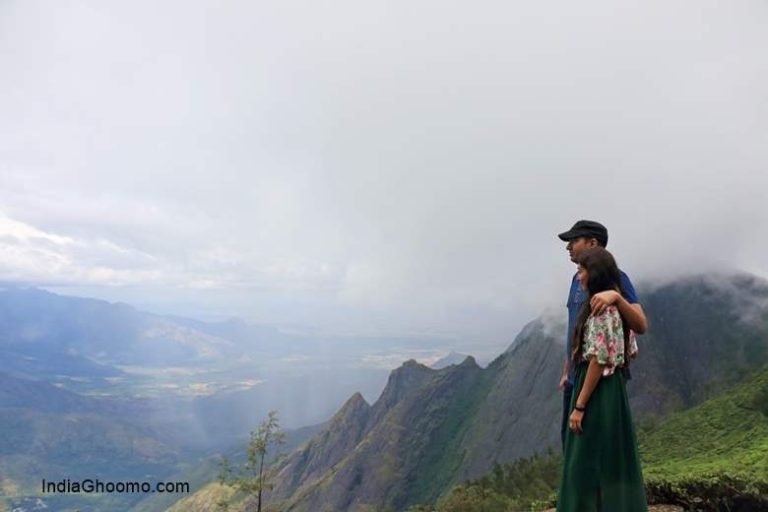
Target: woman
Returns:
[[601, 468]]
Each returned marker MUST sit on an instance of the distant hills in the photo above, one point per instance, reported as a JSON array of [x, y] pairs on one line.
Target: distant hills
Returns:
[[50, 433], [452, 358], [219, 376], [82, 337], [431, 429], [104, 390]]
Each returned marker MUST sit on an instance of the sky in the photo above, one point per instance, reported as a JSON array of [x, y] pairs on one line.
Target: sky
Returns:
[[396, 168]]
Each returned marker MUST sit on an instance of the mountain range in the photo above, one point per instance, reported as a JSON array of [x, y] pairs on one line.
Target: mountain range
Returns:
[[68, 400], [431, 429]]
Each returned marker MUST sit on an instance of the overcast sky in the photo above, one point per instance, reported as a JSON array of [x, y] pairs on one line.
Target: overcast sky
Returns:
[[382, 167]]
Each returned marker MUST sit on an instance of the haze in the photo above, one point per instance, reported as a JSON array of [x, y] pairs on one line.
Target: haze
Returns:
[[386, 168]]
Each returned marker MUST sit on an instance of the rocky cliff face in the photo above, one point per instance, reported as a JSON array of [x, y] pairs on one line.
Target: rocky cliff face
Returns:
[[329, 447], [431, 428], [402, 438], [521, 412]]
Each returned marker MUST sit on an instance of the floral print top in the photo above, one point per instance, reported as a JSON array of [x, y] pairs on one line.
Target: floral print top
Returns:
[[604, 339]]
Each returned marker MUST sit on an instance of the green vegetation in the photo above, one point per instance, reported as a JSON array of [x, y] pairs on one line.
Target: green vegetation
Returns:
[[38, 445], [208, 498], [715, 455], [437, 463], [711, 457], [528, 484], [252, 478]]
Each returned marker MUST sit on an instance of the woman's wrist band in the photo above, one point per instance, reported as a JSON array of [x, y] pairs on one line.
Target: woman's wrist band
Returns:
[[580, 408]]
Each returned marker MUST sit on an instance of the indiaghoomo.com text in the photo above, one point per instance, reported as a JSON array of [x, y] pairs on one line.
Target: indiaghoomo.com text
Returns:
[[89, 485]]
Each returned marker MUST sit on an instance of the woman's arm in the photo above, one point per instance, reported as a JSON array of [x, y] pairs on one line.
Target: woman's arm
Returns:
[[594, 373]]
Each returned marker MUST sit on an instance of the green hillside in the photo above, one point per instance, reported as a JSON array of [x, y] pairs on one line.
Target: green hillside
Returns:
[[715, 452], [36, 446], [711, 457]]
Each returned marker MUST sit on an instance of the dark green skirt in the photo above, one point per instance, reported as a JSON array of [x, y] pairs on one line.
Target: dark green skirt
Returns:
[[601, 468]]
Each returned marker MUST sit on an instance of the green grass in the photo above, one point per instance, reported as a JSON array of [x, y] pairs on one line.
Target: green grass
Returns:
[[715, 454], [728, 434]]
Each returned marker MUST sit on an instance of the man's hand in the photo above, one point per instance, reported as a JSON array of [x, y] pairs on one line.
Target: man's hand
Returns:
[[563, 381], [602, 300]]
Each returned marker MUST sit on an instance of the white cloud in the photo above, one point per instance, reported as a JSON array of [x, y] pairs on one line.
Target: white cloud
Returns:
[[24, 234], [32, 255], [397, 166]]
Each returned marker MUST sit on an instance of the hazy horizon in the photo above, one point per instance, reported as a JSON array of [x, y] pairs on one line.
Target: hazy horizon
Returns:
[[381, 169]]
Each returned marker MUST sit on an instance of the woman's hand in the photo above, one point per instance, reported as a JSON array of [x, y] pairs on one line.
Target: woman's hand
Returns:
[[575, 421]]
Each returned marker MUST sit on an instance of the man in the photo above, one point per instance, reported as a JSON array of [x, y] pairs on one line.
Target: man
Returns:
[[586, 234]]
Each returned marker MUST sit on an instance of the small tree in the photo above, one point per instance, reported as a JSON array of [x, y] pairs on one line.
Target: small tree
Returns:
[[225, 477], [263, 449]]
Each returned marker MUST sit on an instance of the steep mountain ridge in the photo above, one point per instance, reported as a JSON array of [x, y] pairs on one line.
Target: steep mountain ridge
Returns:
[[434, 428], [383, 442], [511, 423], [339, 437], [403, 381]]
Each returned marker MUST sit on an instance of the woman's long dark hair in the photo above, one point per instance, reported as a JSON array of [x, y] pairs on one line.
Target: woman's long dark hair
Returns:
[[602, 274]]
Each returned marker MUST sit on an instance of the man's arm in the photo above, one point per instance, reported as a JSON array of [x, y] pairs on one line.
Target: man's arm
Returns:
[[564, 376], [632, 313]]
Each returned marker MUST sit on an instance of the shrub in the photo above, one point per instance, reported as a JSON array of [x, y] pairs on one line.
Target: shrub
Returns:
[[713, 492]]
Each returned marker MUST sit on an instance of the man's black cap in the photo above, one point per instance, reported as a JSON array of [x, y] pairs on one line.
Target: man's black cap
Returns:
[[586, 228]]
